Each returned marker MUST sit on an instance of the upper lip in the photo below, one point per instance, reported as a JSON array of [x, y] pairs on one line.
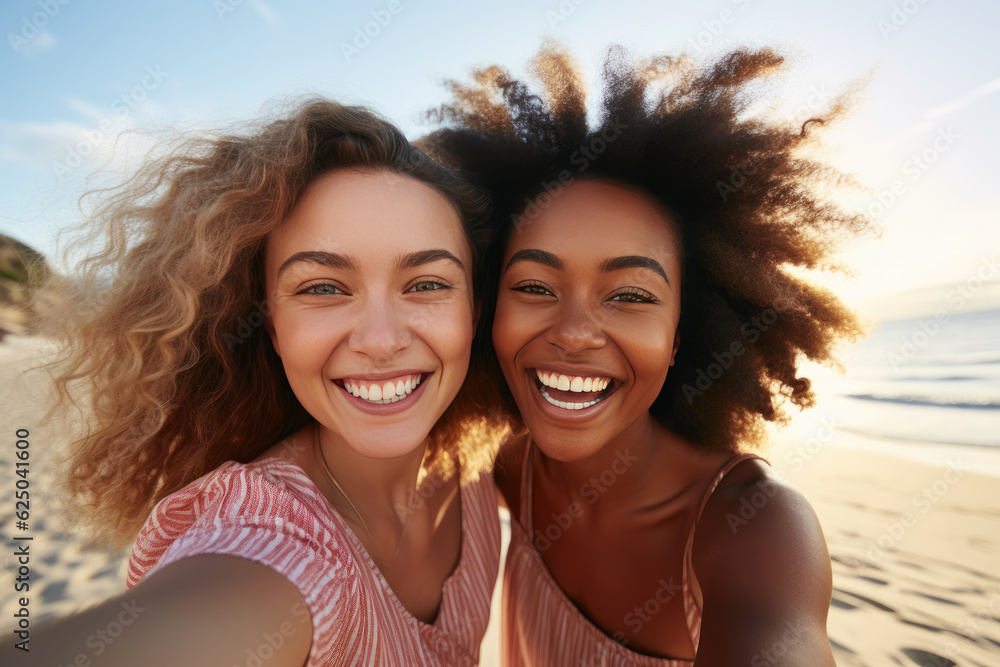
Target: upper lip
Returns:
[[378, 377]]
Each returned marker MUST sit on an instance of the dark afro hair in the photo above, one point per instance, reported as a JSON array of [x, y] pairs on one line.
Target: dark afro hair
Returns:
[[744, 194]]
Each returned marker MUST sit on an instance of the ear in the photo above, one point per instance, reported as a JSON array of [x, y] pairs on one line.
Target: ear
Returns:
[[677, 342]]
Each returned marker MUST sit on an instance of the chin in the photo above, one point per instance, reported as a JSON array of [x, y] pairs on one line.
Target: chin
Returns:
[[386, 443], [564, 447]]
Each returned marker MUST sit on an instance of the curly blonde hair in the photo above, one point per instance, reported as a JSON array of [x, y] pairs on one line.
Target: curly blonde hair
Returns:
[[164, 324]]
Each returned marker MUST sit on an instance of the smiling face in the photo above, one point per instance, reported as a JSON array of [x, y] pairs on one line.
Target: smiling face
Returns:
[[370, 281], [586, 318]]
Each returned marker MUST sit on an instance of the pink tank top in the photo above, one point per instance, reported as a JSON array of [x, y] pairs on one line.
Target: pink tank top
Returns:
[[269, 511], [541, 625]]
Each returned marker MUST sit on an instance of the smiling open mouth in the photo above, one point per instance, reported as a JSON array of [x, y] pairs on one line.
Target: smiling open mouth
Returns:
[[383, 392], [572, 392]]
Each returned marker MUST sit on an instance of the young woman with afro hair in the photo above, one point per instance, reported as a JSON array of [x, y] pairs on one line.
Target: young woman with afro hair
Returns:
[[648, 322]]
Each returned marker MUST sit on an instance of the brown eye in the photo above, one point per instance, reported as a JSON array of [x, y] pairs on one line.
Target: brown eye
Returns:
[[634, 296], [532, 288]]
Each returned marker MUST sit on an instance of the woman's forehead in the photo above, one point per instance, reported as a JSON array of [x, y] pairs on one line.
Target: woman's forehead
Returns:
[[599, 218]]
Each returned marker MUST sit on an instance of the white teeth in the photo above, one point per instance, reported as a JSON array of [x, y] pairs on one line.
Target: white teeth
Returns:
[[387, 392], [576, 384], [571, 406]]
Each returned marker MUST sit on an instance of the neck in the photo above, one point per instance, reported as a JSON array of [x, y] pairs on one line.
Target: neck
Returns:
[[378, 488], [615, 477]]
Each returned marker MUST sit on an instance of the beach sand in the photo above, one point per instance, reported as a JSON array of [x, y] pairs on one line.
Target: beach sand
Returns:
[[915, 545]]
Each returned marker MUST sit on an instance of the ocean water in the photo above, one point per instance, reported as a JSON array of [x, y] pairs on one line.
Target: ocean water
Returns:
[[923, 380]]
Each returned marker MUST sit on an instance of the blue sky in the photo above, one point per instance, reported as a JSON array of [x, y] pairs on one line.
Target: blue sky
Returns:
[[76, 74]]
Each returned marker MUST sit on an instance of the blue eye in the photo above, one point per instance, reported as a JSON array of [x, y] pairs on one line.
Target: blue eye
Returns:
[[322, 289], [429, 286]]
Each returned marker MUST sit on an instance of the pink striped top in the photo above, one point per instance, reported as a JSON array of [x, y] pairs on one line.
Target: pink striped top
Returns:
[[542, 626], [269, 511]]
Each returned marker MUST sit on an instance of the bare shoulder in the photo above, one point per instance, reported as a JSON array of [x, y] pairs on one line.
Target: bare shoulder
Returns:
[[508, 471], [762, 563], [202, 610]]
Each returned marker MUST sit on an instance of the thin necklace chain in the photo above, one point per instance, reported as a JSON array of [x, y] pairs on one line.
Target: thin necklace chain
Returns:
[[329, 474]]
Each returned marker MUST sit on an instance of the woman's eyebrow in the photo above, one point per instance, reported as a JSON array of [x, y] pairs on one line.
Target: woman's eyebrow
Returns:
[[534, 255], [331, 259], [415, 259], [634, 262], [337, 261]]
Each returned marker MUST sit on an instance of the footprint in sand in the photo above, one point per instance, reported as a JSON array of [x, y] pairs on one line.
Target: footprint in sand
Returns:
[[933, 597], [862, 598], [926, 658], [54, 592], [840, 604]]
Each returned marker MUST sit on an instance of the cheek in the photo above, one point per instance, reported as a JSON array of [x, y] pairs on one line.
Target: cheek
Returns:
[[448, 330], [305, 337], [508, 332], [653, 359]]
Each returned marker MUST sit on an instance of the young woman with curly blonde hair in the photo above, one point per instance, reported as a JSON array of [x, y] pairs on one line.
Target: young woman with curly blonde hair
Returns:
[[270, 344]]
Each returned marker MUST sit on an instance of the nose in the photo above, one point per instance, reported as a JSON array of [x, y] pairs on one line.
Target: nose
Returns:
[[577, 328], [380, 331]]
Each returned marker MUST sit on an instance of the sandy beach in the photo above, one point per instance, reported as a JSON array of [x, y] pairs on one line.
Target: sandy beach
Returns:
[[915, 542]]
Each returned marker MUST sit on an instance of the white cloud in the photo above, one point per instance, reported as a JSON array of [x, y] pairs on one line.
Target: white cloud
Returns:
[[42, 41], [964, 100], [264, 10]]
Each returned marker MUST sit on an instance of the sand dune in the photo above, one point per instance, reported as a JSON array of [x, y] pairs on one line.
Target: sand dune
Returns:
[[915, 547]]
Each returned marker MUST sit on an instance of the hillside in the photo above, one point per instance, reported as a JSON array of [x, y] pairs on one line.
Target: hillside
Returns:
[[22, 268]]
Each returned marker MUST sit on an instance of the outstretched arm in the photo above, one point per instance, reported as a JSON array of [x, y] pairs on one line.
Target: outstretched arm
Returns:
[[764, 571], [202, 610]]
